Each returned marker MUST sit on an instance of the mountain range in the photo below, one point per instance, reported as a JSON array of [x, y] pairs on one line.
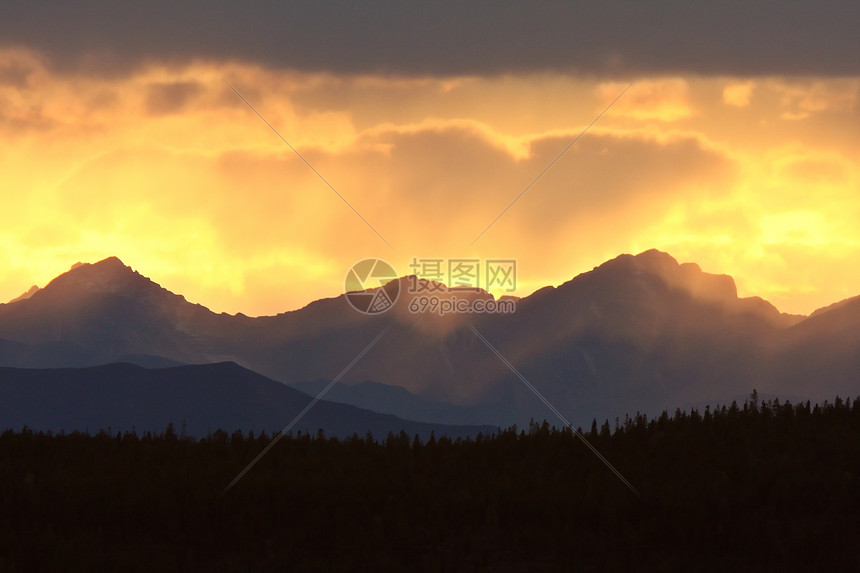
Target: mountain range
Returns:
[[196, 399], [638, 333]]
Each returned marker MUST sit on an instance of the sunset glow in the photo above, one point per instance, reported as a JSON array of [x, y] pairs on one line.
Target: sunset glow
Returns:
[[166, 168]]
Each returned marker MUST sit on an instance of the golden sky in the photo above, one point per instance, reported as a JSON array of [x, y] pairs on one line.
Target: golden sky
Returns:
[[756, 176]]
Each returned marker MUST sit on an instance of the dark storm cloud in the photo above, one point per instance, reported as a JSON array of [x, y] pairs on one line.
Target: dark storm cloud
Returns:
[[165, 98], [14, 74], [610, 37]]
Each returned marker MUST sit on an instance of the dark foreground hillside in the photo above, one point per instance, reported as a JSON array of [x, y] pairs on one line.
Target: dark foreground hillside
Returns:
[[757, 487]]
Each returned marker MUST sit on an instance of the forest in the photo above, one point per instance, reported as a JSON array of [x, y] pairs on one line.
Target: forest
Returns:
[[759, 486]]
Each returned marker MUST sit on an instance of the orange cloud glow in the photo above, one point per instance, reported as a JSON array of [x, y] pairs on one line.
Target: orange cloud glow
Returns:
[[169, 170]]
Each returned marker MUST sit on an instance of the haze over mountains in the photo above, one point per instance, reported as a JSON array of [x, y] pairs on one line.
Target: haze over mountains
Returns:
[[638, 333]]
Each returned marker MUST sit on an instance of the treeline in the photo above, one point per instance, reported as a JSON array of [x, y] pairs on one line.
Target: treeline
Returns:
[[759, 486]]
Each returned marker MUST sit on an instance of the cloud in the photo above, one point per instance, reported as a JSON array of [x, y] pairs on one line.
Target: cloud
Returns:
[[167, 98], [801, 98], [665, 99], [168, 169], [446, 38], [15, 74], [738, 94], [814, 171]]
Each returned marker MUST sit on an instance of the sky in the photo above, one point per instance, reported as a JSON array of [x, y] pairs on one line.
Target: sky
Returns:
[[735, 147]]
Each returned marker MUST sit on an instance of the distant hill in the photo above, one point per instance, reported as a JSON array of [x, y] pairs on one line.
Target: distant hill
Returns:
[[820, 357], [397, 401], [200, 399]]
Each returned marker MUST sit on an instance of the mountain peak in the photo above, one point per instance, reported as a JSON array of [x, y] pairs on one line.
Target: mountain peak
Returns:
[[656, 261], [691, 279], [687, 277], [109, 275], [113, 260], [104, 308], [33, 290], [108, 263]]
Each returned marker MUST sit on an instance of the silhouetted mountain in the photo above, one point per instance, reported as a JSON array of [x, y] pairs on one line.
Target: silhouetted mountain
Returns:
[[149, 361], [111, 311], [56, 354], [33, 290], [820, 357], [637, 333], [395, 400], [834, 306], [125, 397]]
